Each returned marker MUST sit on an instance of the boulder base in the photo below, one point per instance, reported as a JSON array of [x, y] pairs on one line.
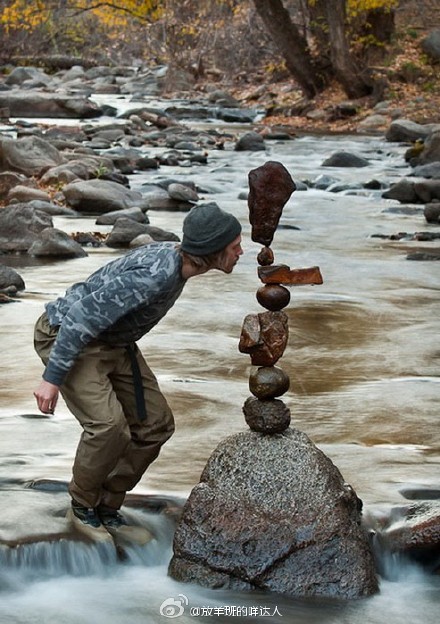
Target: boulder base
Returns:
[[272, 512]]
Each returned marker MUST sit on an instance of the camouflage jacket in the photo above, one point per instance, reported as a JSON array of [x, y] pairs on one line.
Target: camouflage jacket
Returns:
[[117, 304]]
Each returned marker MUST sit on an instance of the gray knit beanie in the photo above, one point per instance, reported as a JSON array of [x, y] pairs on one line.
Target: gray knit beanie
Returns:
[[208, 229]]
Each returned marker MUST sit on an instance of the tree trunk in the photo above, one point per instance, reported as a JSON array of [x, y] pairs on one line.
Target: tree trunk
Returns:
[[291, 44], [355, 80]]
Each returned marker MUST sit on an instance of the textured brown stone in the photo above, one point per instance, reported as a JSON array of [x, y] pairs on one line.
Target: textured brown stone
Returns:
[[265, 257], [264, 336], [273, 297], [270, 188], [271, 416], [268, 382], [282, 274]]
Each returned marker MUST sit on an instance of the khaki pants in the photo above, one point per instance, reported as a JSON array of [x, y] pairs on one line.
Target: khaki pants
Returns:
[[115, 447]]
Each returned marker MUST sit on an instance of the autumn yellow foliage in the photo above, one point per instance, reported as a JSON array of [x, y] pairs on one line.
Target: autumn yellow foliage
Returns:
[[25, 15]]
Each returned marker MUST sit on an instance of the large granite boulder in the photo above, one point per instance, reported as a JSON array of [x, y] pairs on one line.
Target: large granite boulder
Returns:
[[30, 156], [100, 196], [20, 225], [272, 512]]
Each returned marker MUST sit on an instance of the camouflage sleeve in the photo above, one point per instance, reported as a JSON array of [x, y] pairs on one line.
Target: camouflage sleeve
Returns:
[[99, 310]]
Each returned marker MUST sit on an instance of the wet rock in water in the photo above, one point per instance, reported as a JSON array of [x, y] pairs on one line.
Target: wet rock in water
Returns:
[[124, 231], [182, 192], [270, 416], [273, 297], [424, 255], [251, 141], [10, 281], [264, 337], [30, 156], [431, 212], [268, 382], [273, 513], [270, 187], [110, 218], [403, 191], [53, 242], [414, 531], [20, 226], [101, 196], [431, 170], [141, 240], [48, 485], [159, 234], [345, 159]]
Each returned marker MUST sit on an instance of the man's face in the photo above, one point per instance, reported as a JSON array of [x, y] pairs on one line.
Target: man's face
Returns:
[[230, 256]]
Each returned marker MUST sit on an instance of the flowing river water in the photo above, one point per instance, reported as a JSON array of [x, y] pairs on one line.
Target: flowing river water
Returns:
[[363, 363]]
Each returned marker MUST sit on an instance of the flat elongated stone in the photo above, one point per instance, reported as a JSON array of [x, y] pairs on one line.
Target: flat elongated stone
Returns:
[[273, 297], [264, 336], [282, 274], [268, 382], [270, 187]]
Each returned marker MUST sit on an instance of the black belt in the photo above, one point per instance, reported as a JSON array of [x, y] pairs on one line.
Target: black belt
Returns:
[[137, 382]]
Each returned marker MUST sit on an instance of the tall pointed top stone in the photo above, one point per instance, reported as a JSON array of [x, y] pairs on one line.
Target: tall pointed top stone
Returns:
[[270, 187]]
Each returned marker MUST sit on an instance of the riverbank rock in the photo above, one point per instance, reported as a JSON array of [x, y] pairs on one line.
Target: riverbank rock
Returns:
[[23, 194], [414, 192], [20, 226], [431, 212], [9, 179], [110, 218], [100, 196], [251, 142], [10, 281], [272, 512], [124, 231], [345, 159], [406, 131], [37, 104], [30, 156], [53, 242]]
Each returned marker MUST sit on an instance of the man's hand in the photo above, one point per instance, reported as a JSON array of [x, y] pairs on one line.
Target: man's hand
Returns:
[[47, 397]]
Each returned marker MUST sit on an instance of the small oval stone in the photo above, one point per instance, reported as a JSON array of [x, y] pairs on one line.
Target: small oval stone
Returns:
[[268, 382], [270, 416], [273, 297], [265, 257]]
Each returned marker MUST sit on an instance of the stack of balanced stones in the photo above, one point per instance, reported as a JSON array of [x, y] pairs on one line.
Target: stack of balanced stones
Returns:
[[264, 336]]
